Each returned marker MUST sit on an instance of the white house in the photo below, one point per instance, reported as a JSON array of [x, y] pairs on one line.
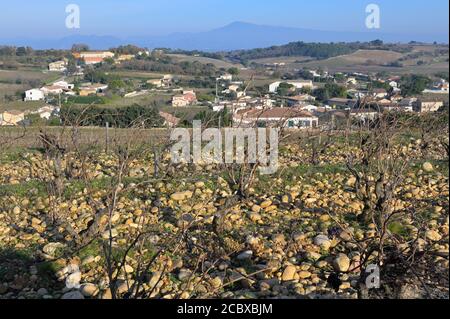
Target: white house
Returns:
[[233, 88], [364, 114], [58, 66], [226, 77], [273, 88], [359, 94], [352, 81], [309, 108], [64, 85], [440, 87], [379, 93], [218, 107], [46, 112], [276, 117], [52, 89], [393, 84], [34, 95], [314, 73], [264, 102]]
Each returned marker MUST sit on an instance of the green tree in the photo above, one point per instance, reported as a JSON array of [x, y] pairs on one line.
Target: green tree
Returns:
[[285, 89], [205, 98], [21, 51], [330, 90], [376, 42], [71, 65], [80, 47], [414, 84], [109, 61], [380, 85], [233, 71]]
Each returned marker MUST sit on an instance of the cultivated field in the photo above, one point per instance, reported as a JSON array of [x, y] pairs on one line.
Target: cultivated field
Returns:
[[287, 60], [217, 63], [12, 81], [373, 61]]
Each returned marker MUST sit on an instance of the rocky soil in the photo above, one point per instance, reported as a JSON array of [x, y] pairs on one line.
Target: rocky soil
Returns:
[[295, 236]]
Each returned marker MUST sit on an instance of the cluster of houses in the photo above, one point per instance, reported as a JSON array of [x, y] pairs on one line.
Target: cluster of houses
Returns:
[[294, 111], [381, 101], [263, 112], [248, 111], [245, 103], [15, 117], [277, 116], [92, 58], [440, 87], [230, 87], [63, 87], [303, 111], [55, 88]]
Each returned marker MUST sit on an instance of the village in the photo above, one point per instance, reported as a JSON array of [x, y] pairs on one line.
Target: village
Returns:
[[299, 103]]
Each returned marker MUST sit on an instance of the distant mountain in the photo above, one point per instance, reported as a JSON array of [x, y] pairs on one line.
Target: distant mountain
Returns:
[[241, 35], [235, 36], [94, 42]]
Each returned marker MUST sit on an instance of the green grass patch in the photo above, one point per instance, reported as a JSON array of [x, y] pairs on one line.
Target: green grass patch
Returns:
[[440, 166], [398, 229], [308, 171], [86, 100], [93, 249], [14, 261], [24, 189]]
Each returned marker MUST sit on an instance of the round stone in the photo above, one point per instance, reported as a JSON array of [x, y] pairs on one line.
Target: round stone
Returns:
[[73, 280], [246, 255], [304, 274], [433, 235], [289, 273], [322, 241], [341, 263], [428, 167], [89, 290]]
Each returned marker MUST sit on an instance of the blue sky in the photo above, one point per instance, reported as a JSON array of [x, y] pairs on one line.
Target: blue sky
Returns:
[[46, 18]]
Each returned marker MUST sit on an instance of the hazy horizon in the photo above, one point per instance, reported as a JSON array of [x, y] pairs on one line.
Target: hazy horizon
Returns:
[[46, 19]]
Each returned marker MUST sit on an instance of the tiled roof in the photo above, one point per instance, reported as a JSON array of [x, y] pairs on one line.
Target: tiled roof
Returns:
[[279, 113]]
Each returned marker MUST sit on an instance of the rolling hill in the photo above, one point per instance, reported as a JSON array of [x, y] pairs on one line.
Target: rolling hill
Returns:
[[235, 36]]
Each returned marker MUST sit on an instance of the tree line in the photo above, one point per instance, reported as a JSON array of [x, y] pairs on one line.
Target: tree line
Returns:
[[122, 117]]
